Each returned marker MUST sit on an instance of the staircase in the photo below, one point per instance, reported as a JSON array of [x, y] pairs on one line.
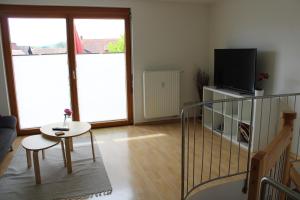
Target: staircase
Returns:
[[216, 160]]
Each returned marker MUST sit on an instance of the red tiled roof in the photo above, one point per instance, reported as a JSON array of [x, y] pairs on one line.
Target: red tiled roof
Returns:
[[89, 46], [96, 45], [42, 51]]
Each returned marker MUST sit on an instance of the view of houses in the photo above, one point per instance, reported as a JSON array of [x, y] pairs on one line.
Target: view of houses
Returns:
[[90, 46]]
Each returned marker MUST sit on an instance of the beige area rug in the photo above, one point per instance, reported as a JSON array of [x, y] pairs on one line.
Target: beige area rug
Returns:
[[89, 179]]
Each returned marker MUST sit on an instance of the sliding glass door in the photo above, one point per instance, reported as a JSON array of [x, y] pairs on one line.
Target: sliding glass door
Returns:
[[41, 71], [101, 69], [67, 57]]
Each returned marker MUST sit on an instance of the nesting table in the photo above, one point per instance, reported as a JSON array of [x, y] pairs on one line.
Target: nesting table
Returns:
[[35, 144], [75, 129]]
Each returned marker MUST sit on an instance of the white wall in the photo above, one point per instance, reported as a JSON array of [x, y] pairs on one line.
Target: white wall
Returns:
[[272, 26], [164, 36]]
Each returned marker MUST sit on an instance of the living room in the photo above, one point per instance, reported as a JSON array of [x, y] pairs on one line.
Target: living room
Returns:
[[182, 35]]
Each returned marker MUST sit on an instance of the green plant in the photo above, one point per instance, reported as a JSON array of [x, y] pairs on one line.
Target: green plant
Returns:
[[117, 46]]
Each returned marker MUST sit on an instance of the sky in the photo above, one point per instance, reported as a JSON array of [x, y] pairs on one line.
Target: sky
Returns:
[[42, 32]]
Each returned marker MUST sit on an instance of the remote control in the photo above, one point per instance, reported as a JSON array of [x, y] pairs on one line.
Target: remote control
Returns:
[[59, 133], [60, 129]]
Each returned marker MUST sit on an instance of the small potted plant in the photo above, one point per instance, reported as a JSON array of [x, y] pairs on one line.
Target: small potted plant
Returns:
[[67, 114], [202, 80], [258, 86]]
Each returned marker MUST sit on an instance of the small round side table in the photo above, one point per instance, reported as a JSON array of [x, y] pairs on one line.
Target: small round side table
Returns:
[[36, 143]]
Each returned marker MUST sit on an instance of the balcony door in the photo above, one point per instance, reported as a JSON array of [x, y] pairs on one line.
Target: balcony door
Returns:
[[67, 57], [101, 71]]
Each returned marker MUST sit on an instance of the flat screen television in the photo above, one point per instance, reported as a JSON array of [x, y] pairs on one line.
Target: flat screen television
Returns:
[[235, 69]]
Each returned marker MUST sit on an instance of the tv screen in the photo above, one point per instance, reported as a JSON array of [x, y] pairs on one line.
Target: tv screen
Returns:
[[235, 69]]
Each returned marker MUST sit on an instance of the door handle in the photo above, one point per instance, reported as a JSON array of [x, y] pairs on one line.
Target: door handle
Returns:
[[74, 74]]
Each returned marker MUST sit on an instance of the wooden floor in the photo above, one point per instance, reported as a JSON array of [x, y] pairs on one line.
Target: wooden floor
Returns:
[[143, 162]]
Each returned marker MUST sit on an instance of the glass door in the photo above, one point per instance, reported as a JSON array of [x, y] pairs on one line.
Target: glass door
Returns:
[[101, 69], [41, 71], [59, 57]]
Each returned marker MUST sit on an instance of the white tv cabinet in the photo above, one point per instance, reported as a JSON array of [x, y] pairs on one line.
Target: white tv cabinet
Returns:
[[225, 117]]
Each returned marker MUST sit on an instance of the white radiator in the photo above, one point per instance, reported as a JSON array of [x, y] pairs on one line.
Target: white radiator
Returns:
[[161, 93]]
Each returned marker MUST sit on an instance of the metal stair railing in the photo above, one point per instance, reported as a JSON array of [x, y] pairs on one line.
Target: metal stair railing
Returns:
[[268, 186], [211, 151]]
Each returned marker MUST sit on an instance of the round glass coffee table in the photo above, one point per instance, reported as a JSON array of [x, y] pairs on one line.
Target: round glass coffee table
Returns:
[[75, 129]]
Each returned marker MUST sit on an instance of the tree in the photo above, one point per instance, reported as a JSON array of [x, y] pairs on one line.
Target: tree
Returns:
[[117, 46]]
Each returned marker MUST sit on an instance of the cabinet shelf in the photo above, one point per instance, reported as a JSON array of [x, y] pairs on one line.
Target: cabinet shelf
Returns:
[[227, 137], [224, 118], [236, 118], [214, 110]]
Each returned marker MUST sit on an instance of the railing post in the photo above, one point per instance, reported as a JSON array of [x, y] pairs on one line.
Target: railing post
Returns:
[[245, 188], [182, 154], [257, 172], [287, 120]]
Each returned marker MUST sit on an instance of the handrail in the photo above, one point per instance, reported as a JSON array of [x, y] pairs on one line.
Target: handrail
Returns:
[[196, 104], [280, 187], [267, 159]]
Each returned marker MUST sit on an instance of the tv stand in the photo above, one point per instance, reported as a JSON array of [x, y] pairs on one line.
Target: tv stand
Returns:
[[226, 118]]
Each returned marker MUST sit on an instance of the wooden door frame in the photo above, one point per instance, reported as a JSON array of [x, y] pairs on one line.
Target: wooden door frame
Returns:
[[69, 13]]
